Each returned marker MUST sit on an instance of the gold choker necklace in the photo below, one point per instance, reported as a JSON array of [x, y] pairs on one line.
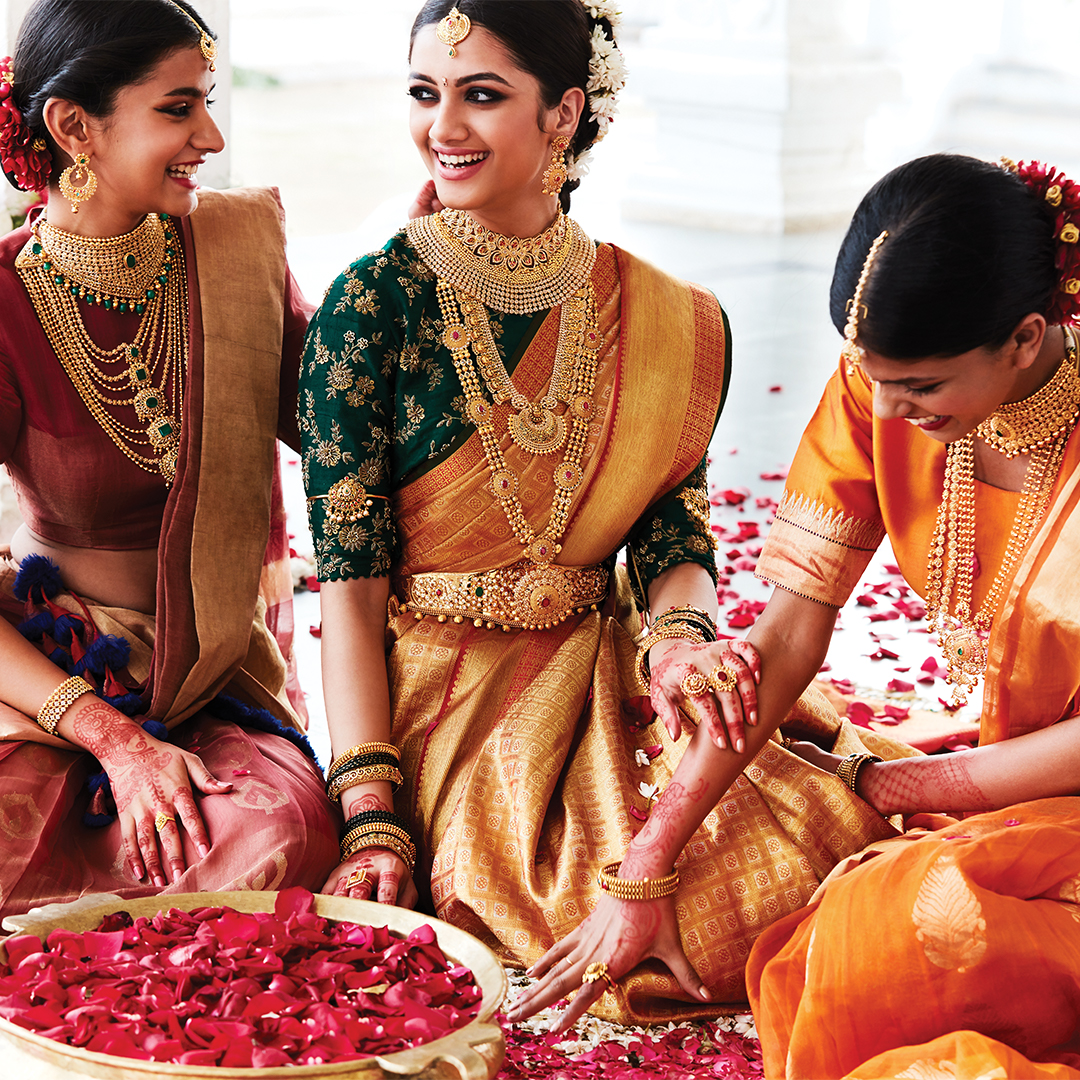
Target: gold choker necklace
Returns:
[[512, 274], [140, 273], [960, 633], [1018, 427]]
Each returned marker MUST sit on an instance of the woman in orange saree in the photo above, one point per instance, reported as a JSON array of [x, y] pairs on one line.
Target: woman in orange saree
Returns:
[[142, 617], [492, 406], [953, 950]]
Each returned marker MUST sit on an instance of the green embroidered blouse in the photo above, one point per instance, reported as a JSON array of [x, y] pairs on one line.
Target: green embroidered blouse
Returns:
[[380, 402]]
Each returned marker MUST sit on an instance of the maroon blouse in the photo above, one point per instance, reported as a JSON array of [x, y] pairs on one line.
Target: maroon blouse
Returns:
[[74, 485]]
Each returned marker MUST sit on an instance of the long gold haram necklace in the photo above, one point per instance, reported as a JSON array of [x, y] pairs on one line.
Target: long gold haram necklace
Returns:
[[518, 275], [143, 273], [1039, 425], [466, 324]]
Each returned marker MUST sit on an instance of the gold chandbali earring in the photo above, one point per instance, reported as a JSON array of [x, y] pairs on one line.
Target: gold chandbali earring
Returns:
[[555, 175], [78, 182], [856, 309], [454, 29], [960, 633]]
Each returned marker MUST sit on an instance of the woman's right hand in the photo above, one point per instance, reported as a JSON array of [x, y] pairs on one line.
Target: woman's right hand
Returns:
[[148, 778], [426, 201], [619, 934], [374, 873]]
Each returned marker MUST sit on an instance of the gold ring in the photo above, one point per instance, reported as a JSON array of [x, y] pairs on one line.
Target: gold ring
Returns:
[[595, 972], [357, 877], [722, 679], [694, 685], [162, 819]]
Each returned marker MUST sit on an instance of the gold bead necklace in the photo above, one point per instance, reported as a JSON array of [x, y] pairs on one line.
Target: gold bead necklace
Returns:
[[950, 572], [141, 273], [466, 324]]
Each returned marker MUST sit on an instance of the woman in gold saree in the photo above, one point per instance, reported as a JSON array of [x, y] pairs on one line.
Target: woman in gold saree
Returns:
[[492, 406]]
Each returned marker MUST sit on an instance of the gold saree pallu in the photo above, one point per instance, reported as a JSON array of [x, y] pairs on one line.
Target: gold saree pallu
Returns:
[[523, 596]]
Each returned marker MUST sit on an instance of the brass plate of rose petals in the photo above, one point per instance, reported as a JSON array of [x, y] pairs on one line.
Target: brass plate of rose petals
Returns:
[[473, 1052]]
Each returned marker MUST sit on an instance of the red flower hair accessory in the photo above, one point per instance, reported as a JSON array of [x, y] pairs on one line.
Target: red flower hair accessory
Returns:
[[1061, 197], [26, 160]]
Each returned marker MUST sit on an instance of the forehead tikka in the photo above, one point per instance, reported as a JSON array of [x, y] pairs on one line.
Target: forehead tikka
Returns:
[[454, 29], [207, 45], [856, 309]]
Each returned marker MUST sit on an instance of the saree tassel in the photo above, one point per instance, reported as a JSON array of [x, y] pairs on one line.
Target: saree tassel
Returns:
[[38, 579]]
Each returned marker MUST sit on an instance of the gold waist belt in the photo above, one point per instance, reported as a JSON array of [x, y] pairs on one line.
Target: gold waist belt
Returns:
[[524, 596]]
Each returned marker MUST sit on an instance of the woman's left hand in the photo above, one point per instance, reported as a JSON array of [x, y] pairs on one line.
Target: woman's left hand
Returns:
[[619, 934], [717, 681], [373, 874]]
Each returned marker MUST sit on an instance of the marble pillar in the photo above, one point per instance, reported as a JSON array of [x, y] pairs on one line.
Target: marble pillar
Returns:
[[762, 108]]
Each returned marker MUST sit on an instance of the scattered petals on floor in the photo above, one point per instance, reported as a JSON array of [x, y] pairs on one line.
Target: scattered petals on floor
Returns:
[[726, 1048]]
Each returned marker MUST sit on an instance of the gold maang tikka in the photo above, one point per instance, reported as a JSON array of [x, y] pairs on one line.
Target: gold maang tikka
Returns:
[[207, 45], [852, 351], [454, 29]]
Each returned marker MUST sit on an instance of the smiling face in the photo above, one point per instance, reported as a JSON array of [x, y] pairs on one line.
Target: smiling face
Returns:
[[474, 119], [147, 152], [948, 397]]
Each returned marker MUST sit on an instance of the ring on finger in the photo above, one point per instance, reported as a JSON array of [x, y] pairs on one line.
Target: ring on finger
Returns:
[[161, 819], [595, 972], [357, 877], [694, 685], [722, 679]]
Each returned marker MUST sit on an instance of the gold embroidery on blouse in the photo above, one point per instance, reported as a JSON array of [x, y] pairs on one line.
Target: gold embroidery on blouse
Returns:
[[829, 523]]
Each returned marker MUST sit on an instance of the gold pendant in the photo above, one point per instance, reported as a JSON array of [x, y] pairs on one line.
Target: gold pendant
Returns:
[[537, 430], [965, 660]]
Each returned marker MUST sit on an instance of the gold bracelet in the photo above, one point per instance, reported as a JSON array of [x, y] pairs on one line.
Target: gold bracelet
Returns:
[[364, 748], [664, 633], [643, 889], [363, 775], [404, 850], [60, 700], [847, 772], [372, 827]]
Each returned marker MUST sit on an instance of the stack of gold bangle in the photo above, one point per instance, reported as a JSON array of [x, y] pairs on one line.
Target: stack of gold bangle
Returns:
[[642, 889], [686, 622], [60, 700], [361, 764], [848, 769], [380, 834]]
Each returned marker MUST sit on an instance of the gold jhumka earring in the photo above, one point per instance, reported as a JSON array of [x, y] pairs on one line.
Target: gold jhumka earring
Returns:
[[454, 29], [852, 351], [78, 182], [555, 175]]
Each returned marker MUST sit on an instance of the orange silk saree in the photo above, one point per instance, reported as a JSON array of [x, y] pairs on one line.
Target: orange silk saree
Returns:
[[530, 756], [956, 952]]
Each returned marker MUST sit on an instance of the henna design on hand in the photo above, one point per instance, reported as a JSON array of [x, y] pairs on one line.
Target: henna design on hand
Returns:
[[132, 759], [923, 784], [363, 803]]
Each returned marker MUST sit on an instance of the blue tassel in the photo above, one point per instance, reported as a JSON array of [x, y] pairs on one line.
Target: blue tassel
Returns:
[[61, 659], [99, 780], [156, 729], [38, 578], [37, 626], [128, 704], [228, 708], [106, 651], [97, 821], [64, 627]]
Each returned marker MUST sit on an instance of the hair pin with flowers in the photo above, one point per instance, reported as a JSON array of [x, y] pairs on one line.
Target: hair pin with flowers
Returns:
[[25, 159], [607, 76], [1061, 198]]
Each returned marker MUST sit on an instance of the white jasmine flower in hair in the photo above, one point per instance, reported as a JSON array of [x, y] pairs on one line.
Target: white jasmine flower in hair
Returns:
[[579, 167], [604, 9], [607, 69]]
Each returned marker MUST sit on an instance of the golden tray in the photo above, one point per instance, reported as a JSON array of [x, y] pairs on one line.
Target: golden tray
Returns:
[[473, 1052]]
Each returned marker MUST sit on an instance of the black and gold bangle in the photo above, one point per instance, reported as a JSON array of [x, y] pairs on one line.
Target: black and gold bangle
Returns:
[[404, 849], [364, 748], [847, 772]]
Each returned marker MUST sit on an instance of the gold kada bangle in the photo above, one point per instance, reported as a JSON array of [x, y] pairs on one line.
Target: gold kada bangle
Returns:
[[664, 633], [60, 700], [363, 775], [642, 889], [848, 770]]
